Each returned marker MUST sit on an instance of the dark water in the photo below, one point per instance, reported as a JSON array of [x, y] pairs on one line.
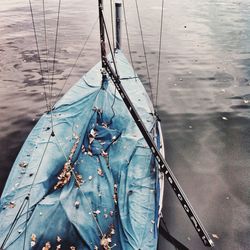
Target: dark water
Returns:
[[204, 97]]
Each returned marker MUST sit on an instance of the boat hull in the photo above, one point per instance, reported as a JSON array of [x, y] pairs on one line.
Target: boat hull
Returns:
[[90, 178]]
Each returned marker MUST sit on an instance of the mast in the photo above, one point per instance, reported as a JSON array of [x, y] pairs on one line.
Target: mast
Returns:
[[118, 6], [163, 165], [102, 32]]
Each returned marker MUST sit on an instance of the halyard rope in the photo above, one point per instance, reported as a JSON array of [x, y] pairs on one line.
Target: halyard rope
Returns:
[[55, 48], [127, 35], [54, 62], [159, 57], [38, 54], [77, 58], [112, 53], [144, 50], [112, 23], [46, 39]]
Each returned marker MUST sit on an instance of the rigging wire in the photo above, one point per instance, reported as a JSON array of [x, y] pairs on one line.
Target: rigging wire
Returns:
[[33, 181], [27, 197], [144, 50], [55, 50], [75, 63], [112, 108], [112, 23], [26, 223], [112, 54], [159, 56], [13, 224], [38, 54], [53, 66], [46, 39], [25, 200], [127, 35]]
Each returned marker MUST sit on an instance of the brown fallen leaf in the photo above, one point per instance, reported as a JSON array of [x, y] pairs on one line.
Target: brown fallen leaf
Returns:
[[47, 246]]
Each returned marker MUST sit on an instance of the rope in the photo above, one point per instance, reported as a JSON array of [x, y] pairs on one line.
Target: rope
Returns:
[[55, 50], [127, 35], [38, 54], [112, 108], [144, 50], [13, 224], [74, 65], [45, 38], [163, 230], [159, 57], [112, 54], [26, 224], [32, 184], [27, 198], [21, 209], [112, 23], [53, 67]]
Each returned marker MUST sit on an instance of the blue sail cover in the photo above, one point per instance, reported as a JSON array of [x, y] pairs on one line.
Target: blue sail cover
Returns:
[[93, 184]]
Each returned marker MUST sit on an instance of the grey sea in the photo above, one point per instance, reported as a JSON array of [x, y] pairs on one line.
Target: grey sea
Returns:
[[203, 99]]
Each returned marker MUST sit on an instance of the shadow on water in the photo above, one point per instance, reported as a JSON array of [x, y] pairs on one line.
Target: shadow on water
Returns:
[[209, 154]]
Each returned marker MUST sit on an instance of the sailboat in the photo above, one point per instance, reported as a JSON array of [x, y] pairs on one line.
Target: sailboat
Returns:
[[90, 175]]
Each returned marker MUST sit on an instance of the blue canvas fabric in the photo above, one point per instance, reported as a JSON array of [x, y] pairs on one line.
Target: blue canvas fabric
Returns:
[[94, 184]]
